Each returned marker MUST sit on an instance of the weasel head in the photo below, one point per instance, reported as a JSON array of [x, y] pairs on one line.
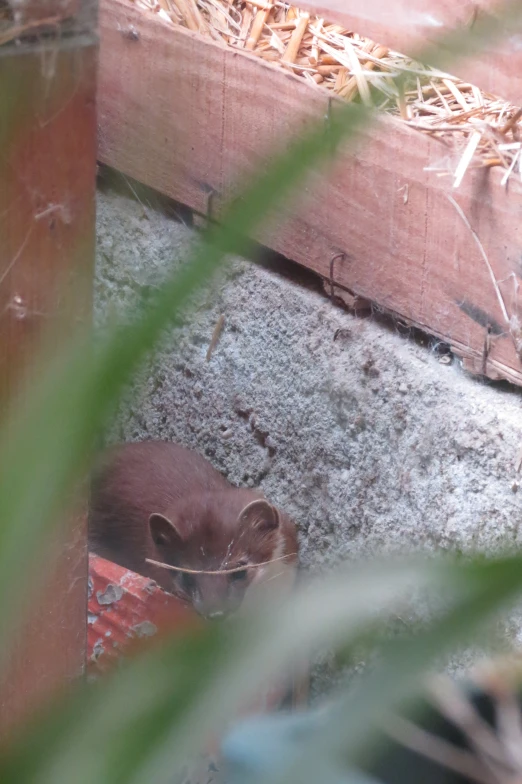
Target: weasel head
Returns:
[[222, 531]]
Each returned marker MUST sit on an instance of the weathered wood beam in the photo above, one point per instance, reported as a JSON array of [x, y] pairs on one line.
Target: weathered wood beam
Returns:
[[190, 117], [47, 209]]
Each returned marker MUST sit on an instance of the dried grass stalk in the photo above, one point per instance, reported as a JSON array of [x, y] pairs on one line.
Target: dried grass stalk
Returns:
[[12, 32], [186, 12], [313, 59], [469, 152], [219, 571], [295, 40], [257, 28], [349, 91], [246, 23], [480, 126]]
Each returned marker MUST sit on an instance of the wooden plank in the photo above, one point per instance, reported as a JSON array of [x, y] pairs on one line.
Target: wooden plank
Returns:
[[411, 25], [188, 117], [128, 613], [47, 201]]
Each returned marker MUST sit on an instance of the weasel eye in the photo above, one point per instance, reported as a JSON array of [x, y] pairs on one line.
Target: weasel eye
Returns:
[[237, 577], [188, 583]]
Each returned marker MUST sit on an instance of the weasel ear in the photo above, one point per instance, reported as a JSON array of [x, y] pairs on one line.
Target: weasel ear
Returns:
[[164, 533], [261, 515]]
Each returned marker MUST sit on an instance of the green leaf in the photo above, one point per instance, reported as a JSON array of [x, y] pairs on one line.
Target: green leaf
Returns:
[[179, 695], [135, 726], [50, 437], [351, 731], [141, 723]]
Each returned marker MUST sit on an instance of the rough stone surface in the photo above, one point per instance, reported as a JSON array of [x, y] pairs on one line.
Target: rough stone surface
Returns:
[[364, 436], [367, 440]]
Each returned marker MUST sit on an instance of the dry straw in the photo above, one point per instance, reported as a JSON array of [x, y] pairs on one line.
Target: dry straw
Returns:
[[218, 571], [479, 129]]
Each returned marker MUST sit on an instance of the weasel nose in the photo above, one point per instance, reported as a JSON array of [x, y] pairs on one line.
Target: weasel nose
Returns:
[[216, 615]]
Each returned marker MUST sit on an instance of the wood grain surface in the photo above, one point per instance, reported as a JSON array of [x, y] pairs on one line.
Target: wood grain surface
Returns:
[[190, 118]]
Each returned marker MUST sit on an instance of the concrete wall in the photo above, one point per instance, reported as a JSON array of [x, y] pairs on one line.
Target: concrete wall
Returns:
[[369, 441]]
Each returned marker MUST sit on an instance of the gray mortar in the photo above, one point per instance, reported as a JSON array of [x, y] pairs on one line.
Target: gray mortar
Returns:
[[368, 441]]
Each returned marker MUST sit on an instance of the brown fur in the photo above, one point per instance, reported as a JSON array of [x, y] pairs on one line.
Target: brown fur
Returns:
[[157, 500]]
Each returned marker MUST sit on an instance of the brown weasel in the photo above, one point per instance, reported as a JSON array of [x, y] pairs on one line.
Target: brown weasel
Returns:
[[158, 500]]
